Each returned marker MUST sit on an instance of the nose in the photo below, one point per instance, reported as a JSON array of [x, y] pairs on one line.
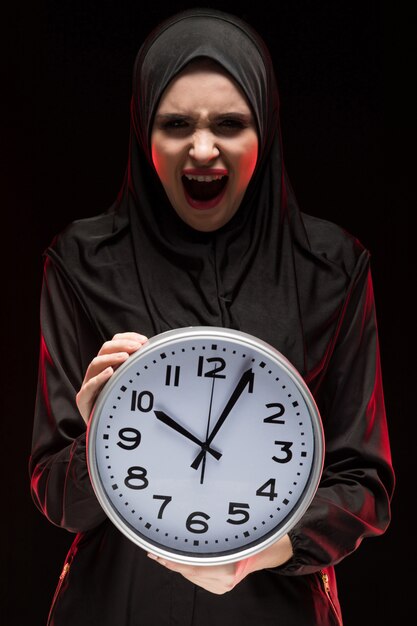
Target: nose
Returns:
[[203, 148]]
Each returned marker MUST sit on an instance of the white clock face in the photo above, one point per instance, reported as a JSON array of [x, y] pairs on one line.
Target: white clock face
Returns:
[[205, 446]]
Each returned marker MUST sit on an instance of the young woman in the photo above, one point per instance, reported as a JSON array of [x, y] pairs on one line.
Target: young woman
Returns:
[[206, 231]]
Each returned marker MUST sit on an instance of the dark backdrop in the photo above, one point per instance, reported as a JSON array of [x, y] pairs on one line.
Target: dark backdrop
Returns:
[[66, 90]]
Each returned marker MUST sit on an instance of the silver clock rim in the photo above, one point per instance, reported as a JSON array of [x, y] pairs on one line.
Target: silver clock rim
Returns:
[[296, 513]]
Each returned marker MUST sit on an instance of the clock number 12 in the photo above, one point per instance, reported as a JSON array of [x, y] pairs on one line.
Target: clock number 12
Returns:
[[213, 373]]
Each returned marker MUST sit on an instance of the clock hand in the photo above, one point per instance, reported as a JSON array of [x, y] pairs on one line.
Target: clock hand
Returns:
[[166, 419], [203, 464], [246, 378]]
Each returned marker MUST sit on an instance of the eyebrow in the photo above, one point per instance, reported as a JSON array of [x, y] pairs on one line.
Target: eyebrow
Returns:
[[186, 117], [172, 116]]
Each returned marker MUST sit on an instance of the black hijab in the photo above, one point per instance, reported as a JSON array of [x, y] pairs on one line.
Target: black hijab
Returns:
[[260, 272], [223, 278]]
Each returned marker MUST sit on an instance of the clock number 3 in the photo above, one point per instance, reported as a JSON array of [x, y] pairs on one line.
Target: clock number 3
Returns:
[[285, 448]]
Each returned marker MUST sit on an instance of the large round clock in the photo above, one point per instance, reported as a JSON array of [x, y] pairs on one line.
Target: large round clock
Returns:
[[205, 446]]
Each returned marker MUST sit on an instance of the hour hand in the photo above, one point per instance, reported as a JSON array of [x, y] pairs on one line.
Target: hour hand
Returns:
[[166, 419]]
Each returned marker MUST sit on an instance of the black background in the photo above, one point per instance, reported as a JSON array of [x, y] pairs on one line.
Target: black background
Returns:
[[344, 72]]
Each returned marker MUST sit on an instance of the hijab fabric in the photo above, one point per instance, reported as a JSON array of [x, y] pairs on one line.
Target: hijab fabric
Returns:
[[241, 276], [258, 273]]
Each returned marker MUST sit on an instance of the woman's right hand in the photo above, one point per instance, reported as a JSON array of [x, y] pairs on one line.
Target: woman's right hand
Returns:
[[110, 356]]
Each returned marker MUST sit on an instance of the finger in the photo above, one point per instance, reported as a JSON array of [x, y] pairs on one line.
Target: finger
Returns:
[[102, 362], [119, 345], [189, 570], [131, 336], [89, 391], [157, 559], [174, 567]]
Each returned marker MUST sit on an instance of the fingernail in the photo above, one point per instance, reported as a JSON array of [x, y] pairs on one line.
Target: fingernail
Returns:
[[156, 558]]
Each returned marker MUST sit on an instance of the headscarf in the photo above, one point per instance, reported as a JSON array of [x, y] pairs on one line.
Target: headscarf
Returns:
[[259, 272], [228, 278]]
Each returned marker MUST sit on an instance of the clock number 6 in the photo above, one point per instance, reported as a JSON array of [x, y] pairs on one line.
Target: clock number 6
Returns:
[[197, 525]]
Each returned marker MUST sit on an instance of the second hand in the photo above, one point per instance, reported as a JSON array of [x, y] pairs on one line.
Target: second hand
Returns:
[[203, 466]]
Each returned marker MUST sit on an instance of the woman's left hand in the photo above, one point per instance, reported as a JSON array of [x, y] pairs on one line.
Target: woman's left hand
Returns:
[[214, 578], [220, 579]]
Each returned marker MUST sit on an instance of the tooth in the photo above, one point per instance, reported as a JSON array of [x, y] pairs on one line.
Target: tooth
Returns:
[[204, 179]]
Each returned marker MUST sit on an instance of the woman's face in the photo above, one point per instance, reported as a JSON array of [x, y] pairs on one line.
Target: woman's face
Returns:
[[204, 145]]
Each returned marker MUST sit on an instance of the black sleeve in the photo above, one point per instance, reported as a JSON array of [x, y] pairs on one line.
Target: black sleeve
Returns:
[[353, 498], [60, 483]]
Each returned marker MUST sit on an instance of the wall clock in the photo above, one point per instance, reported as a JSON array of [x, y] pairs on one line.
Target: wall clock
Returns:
[[205, 446]]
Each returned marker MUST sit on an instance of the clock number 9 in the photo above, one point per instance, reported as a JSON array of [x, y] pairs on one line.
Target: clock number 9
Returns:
[[194, 525], [136, 474], [130, 436]]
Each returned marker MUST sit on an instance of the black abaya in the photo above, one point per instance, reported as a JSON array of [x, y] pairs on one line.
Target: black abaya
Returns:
[[297, 282]]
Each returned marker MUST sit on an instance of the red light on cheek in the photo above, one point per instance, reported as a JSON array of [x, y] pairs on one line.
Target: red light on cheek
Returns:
[[246, 168], [163, 163], [155, 159]]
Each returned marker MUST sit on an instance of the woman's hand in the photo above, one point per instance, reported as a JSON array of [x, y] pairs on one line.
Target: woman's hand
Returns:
[[110, 356], [220, 579], [214, 578]]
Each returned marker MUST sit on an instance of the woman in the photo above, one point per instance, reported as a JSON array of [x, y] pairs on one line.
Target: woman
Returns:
[[206, 231]]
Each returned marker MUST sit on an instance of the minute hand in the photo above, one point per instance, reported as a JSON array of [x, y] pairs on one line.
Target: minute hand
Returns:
[[246, 378]]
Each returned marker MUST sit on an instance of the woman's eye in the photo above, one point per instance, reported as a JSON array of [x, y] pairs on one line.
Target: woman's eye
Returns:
[[231, 125], [174, 124]]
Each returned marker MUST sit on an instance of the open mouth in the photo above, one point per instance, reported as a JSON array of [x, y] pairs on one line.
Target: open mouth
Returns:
[[204, 191]]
